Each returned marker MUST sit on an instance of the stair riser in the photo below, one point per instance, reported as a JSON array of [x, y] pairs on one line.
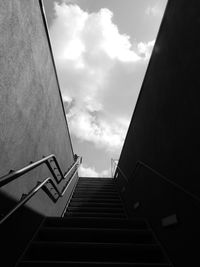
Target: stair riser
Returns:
[[92, 214], [106, 205], [95, 232], [97, 223], [86, 264], [94, 195], [96, 180], [96, 200], [94, 209], [96, 185], [95, 235], [96, 192], [99, 252], [80, 189]]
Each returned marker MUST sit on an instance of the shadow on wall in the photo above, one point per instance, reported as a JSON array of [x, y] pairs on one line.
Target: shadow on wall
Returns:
[[17, 230], [172, 213]]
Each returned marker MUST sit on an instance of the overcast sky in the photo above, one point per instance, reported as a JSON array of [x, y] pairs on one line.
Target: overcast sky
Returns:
[[101, 50]]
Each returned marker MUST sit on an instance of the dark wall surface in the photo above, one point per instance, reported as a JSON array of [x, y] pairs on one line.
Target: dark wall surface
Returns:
[[32, 120], [164, 134], [164, 131]]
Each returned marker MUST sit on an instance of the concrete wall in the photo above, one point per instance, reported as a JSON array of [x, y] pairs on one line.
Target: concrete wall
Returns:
[[32, 119], [165, 134], [164, 131], [32, 122]]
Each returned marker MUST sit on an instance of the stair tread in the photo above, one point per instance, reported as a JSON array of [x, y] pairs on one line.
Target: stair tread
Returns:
[[96, 229], [116, 200], [103, 222], [95, 251], [96, 179], [89, 214], [110, 188], [96, 208], [106, 235], [101, 197], [95, 190], [98, 244], [95, 194], [106, 204], [101, 263], [96, 183], [101, 225]]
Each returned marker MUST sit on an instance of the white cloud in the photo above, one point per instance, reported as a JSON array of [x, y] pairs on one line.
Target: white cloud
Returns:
[[85, 171], [96, 66], [145, 49], [92, 128]]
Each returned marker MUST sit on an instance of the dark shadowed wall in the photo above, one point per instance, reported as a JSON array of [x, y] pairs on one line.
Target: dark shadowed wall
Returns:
[[165, 134], [164, 131], [32, 119]]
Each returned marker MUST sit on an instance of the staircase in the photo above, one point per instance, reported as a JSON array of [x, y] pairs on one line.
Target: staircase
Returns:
[[94, 231]]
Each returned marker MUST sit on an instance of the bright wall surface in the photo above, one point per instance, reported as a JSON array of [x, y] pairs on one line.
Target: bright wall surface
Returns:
[[32, 120]]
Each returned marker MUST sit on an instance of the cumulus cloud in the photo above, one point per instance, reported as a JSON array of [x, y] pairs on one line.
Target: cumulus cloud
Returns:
[[85, 171], [96, 66], [145, 49], [91, 127]]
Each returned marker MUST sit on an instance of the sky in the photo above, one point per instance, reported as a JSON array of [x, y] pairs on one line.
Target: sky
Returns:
[[101, 50]]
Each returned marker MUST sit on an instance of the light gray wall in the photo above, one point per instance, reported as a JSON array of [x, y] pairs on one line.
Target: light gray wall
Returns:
[[32, 122]]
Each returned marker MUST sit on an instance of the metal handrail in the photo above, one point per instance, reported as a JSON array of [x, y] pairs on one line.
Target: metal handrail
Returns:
[[40, 185], [25, 199], [140, 163], [13, 175], [123, 174]]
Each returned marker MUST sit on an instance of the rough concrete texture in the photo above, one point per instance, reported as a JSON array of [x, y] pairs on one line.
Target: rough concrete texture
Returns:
[[32, 122]]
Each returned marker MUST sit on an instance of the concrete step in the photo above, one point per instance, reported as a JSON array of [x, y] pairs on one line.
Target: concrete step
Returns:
[[97, 185], [88, 199], [95, 214], [136, 224], [84, 184], [90, 251], [106, 235], [95, 189], [89, 263], [95, 209], [96, 195], [91, 186], [96, 179], [94, 204]]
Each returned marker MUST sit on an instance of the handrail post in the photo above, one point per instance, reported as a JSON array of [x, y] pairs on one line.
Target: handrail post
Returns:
[[40, 185]]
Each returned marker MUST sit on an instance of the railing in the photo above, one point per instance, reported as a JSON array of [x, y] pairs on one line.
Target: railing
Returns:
[[114, 162], [140, 164], [13, 175]]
